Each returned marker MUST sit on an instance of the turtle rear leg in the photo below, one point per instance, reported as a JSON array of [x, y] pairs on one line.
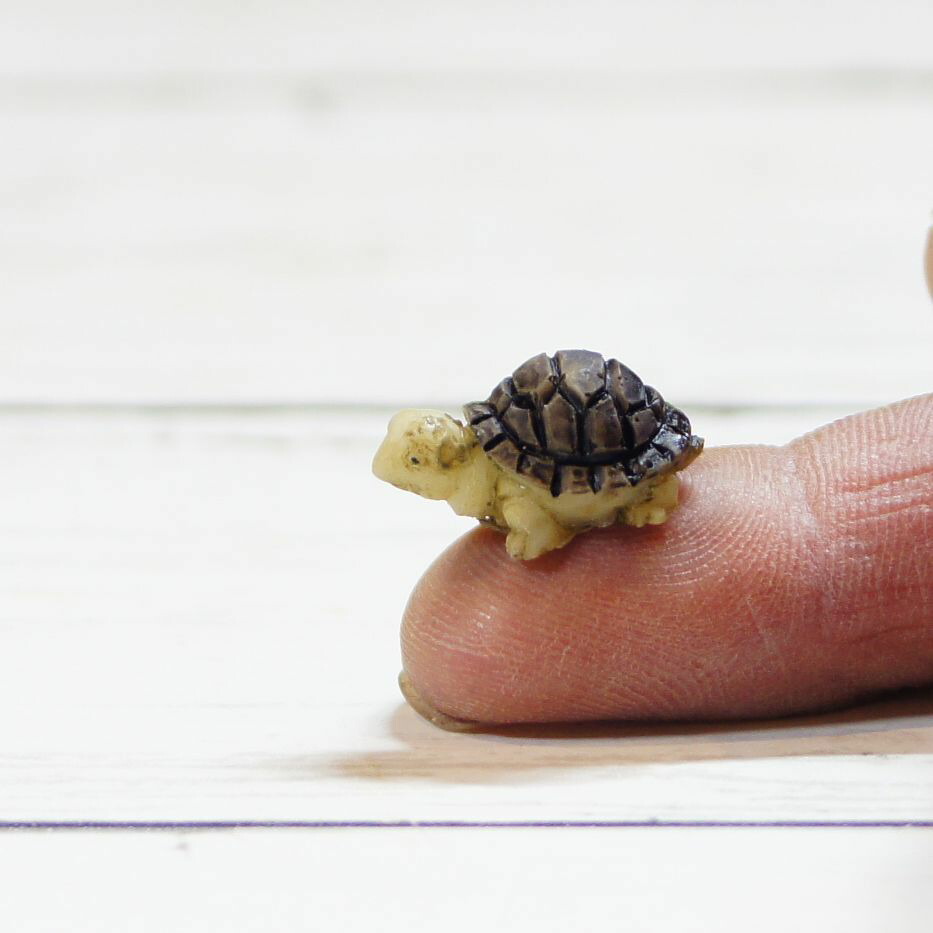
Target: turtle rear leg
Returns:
[[532, 531], [654, 510]]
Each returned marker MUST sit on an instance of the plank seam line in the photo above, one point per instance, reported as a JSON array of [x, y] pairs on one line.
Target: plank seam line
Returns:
[[170, 825]]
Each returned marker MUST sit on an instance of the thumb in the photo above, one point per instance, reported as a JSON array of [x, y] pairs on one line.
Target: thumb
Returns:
[[929, 261], [792, 578]]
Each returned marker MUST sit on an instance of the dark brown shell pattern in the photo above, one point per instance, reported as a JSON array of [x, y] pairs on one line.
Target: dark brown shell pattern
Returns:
[[576, 422]]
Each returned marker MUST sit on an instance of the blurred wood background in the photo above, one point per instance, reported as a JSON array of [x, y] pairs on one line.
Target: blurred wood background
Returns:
[[205, 201], [232, 238]]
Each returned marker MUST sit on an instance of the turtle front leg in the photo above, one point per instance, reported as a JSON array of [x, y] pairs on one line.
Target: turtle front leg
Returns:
[[532, 531]]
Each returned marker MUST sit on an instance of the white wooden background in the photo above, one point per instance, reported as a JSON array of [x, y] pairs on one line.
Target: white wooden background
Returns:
[[232, 238]]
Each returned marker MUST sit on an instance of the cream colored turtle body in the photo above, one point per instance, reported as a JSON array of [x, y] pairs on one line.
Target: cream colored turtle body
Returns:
[[565, 444]]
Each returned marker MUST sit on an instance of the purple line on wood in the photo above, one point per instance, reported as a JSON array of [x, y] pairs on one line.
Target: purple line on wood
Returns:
[[462, 824]]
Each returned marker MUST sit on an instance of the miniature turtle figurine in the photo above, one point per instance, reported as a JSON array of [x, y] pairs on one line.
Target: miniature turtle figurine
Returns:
[[564, 444]]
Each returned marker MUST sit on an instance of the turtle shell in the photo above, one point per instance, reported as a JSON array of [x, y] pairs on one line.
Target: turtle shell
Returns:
[[576, 422]]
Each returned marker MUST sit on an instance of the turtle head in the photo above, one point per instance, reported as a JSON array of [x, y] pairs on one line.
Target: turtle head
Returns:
[[424, 452]]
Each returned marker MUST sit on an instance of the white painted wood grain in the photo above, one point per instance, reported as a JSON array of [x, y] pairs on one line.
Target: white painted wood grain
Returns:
[[329, 202], [192, 630], [106, 36], [687, 881], [418, 243], [380, 255]]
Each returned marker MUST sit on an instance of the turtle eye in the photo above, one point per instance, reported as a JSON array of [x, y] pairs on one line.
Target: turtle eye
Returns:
[[415, 460]]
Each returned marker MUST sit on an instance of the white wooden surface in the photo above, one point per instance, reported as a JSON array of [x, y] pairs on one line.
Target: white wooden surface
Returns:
[[193, 632], [464, 880], [263, 204], [232, 237]]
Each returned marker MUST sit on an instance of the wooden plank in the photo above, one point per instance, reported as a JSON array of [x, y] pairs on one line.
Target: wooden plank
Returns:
[[415, 243], [194, 629], [203, 203], [528, 880], [106, 36]]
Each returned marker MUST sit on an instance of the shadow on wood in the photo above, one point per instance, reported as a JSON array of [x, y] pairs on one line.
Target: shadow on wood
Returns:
[[900, 724]]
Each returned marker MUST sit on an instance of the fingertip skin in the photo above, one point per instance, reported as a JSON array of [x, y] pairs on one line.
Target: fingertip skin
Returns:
[[789, 579]]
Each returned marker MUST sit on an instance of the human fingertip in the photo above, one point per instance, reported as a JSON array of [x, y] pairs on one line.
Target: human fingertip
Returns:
[[424, 709]]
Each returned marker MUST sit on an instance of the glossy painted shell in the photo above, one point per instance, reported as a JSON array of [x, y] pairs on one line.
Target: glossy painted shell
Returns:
[[576, 422]]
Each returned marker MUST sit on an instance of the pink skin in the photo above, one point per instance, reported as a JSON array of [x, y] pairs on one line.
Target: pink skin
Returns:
[[792, 578]]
